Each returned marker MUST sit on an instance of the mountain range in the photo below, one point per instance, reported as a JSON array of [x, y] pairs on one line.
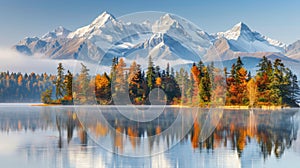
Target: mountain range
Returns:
[[168, 39]]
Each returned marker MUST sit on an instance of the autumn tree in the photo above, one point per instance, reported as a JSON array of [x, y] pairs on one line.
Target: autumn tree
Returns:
[[46, 96], [263, 79], [83, 81], [137, 87], [196, 80], [252, 92], [120, 81], [237, 84], [103, 89]]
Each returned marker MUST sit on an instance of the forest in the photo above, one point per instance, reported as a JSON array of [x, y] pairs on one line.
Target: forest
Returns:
[[203, 85]]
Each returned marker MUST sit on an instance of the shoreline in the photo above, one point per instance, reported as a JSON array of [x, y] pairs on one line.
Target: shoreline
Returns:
[[181, 106]]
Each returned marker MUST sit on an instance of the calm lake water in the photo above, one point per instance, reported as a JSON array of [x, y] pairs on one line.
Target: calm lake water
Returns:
[[91, 136]]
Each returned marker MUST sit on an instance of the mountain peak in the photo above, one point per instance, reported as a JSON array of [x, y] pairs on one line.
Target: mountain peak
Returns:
[[60, 31], [165, 23], [103, 19], [238, 30], [241, 26]]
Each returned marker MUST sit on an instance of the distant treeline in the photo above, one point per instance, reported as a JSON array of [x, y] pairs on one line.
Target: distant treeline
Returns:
[[204, 85], [17, 87]]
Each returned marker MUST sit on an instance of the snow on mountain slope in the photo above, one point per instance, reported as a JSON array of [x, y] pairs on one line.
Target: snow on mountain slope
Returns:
[[163, 48], [184, 32], [106, 30], [96, 25], [169, 38], [293, 50], [241, 38], [59, 32]]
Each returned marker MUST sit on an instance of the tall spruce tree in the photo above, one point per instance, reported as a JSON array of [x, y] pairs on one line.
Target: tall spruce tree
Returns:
[[205, 87], [59, 82], [83, 82], [150, 74], [69, 84]]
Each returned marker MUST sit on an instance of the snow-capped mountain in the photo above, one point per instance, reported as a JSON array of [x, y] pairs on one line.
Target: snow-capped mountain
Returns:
[[59, 32], [242, 39], [166, 39], [293, 50]]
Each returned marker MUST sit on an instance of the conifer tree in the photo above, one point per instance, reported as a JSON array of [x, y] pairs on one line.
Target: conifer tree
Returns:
[[205, 87], [83, 83], [59, 82], [150, 74], [69, 84]]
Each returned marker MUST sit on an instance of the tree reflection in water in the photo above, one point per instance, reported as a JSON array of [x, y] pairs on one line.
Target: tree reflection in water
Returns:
[[274, 131]]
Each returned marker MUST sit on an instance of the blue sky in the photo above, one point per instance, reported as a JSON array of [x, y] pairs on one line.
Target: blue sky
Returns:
[[277, 19]]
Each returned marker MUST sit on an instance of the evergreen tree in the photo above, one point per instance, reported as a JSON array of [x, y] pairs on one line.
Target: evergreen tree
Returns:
[[263, 80], [46, 96], [295, 89], [205, 87], [157, 72], [83, 83], [276, 85], [182, 78], [120, 80], [168, 69], [237, 84], [113, 69], [137, 87], [172, 72], [239, 64], [59, 83], [150, 74], [69, 84]]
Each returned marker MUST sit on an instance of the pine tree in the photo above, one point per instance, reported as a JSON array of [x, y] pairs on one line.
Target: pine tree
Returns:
[[205, 87], [69, 84], [168, 69], [120, 81], [276, 85], [113, 69], [237, 84], [295, 89], [211, 70], [83, 83], [157, 72], [59, 82], [150, 74], [137, 87], [263, 80], [46, 96], [182, 78]]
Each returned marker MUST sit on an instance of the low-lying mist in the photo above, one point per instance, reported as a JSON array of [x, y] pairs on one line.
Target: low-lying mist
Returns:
[[14, 61]]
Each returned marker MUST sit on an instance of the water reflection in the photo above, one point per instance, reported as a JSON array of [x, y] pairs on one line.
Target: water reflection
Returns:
[[55, 135]]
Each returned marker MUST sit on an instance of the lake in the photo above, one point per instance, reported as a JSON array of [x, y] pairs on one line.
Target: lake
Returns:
[[144, 136]]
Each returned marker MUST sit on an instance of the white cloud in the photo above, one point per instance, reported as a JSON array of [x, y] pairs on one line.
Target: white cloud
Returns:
[[13, 61]]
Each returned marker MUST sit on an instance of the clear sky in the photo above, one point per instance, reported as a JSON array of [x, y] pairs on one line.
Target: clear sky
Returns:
[[278, 19]]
